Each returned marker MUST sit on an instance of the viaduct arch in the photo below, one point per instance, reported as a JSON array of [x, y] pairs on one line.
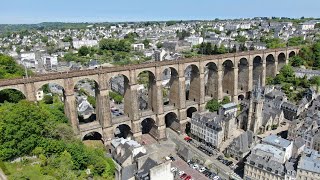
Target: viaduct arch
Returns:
[[209, 77]]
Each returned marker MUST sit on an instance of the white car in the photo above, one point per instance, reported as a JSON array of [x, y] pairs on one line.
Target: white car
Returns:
[[202, 169], [195, 166], [174, 169], [168, 158], [181, 172], [216, 178]]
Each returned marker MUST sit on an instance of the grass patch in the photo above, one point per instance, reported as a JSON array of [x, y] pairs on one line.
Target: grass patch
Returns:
[[21, 170]]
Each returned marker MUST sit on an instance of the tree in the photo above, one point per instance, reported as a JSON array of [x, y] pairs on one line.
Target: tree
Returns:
[[170, 23], [92, 101], [222, 49], [225, 100], [296, 41], [48, 99], [241, 39], [208, 49], [23, 126], [296, 61], [234, 49], [11, 95], [242, 47], [67, 39], [131, 36], [115, 45], [274, 43], [159, 45], [287, 71], [182, 34], [44, 39], [213, 105], [9, 68], [146, 43], [83, 51]]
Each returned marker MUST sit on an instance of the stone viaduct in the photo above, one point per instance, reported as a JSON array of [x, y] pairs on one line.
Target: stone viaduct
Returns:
[[214, 76]]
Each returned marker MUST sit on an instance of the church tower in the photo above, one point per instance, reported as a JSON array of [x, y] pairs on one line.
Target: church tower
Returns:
[[255, 109]]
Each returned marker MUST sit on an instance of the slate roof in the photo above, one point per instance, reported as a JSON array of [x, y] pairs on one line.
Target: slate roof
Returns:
[[129, 171], [143, 172], [243, 142], [265, 162], [310, 161], [276, 141]]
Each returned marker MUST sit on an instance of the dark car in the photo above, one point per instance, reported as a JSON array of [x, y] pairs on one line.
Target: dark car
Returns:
[[220, 157], [229, 163], [172, 158]]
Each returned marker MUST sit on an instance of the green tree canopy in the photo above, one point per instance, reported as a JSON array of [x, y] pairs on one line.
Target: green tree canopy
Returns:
[[296, 41], [115, 45], [213, 105], [296, 61], [9, 68], [146, 43], [83, 51]]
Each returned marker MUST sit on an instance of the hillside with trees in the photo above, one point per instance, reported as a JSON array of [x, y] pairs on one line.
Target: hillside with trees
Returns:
[[36, 141]]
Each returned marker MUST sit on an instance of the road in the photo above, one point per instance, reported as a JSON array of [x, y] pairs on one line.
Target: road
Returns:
[[223, 170]]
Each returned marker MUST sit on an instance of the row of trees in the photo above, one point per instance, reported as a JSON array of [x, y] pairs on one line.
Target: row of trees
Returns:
[[207, 49]]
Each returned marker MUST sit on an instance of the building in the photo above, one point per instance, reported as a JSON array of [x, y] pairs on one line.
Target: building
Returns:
[[85, 109], [307, 26], [177, 46], [284, 145], [269, 160], [50, 62], [138, 47], [309, 165], [134, 163], [194, 40], [77, 44], [159, 55], [241, 145], [214, 128], [28, 59], [39, 95]]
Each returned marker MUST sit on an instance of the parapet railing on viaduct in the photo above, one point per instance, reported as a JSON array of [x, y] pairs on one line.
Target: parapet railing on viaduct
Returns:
[[78, 73]]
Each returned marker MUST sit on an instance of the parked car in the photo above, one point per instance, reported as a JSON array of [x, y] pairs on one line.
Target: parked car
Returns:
[[168, 158], [172, 158], [189, 162], [195, 166], [174, 169], [216, 178], [219, 157], [183, 176], [188, 178], [229, 163], [202, 169], [181, 172]]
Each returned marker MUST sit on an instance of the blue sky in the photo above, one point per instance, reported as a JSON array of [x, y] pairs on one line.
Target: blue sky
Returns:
[[35, 11]]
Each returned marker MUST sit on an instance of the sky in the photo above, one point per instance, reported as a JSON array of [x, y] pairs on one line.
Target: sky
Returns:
[[36, 11]]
